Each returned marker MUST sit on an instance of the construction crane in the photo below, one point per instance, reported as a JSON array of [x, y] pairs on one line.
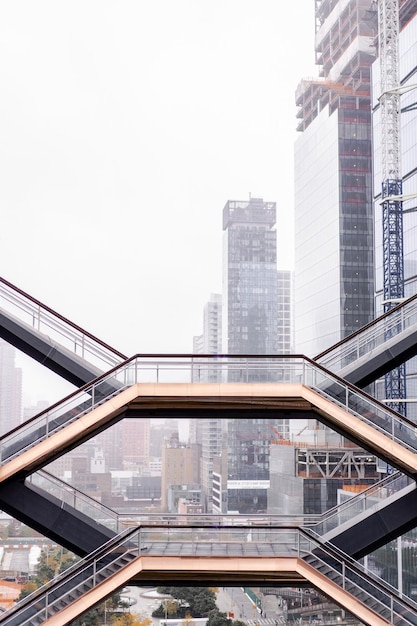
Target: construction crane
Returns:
[[392, 192]]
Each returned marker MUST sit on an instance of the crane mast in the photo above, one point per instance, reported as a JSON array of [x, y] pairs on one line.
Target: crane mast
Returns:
[[392, 209]]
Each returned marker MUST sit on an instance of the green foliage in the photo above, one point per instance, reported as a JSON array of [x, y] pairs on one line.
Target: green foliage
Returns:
[[195, 601], [51, 563], [217, 618], [54, 562]]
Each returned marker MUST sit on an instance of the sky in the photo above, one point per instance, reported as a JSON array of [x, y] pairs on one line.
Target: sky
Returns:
[[125, 127]]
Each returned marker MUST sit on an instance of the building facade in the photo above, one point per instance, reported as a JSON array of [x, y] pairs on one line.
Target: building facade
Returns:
[[10, 389], [407, 66], [285, 339], [180, 466], [249, 316], [334, 278]]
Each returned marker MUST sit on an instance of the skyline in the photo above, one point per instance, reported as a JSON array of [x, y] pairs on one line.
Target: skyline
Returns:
[[126, 129]]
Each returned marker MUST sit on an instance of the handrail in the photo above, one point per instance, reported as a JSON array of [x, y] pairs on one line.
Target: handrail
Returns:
[[117, 521], [357, 580], [77, 499], [188, 368], [330, 561], [381, 491], [47, 321], [321, 524], [27, 603], [367, 338]]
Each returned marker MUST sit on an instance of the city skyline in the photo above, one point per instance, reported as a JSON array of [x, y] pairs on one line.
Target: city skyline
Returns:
[[125, 130]]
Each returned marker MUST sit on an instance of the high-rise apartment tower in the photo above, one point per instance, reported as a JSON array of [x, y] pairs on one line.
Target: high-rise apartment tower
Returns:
[[249, 277]]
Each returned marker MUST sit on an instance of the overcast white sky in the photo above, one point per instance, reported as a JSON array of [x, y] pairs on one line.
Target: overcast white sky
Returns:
[[125, 127]]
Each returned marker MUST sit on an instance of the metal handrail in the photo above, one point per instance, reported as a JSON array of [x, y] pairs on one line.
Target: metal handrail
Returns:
[[47, 321], [366, 339], [118, 521], [188, 368], [382, 491], [331, 562], [45, 591]]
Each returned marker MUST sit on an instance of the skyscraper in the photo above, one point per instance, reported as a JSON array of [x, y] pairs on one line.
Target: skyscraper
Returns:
[[285, 340], [250, 326], [249, 277], [334, 278], [207, 432], [10, 389]]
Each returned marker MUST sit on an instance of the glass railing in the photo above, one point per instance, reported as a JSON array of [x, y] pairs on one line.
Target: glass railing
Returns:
[[117, 522], [46, 321], [78, 579], [371, 591], [69, 495], [392, 487], [392, 324], [183, 369], [382, 493]]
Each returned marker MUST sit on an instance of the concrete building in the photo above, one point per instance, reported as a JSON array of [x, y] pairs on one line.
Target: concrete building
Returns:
[[180, 466], [186, 492], [334, 278], [307, 478], [10, 389], [212, 325], [285, 339], [126, 445], [209, 433]]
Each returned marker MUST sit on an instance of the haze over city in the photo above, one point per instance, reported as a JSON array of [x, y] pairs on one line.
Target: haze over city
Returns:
[[125, 128]]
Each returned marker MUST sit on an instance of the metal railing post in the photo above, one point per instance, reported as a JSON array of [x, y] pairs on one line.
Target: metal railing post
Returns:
[[46, 605]]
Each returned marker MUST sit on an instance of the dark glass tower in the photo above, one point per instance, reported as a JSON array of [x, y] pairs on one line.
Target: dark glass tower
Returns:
[[250, 311], [250, 327]]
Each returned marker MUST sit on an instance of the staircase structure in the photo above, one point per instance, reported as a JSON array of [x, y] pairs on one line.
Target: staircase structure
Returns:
[[167, 386]]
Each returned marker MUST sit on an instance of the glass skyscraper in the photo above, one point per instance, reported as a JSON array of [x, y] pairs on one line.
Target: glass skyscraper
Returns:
[[334, 278], [250, 311], [250, 326]]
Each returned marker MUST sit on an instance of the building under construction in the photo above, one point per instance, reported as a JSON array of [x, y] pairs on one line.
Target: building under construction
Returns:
[[340, 269], [334, 278]]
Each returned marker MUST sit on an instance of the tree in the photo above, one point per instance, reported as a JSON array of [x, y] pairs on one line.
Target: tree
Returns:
[[195, 601], [54, 562], [218, 618], [27, 589], [168, 607]]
